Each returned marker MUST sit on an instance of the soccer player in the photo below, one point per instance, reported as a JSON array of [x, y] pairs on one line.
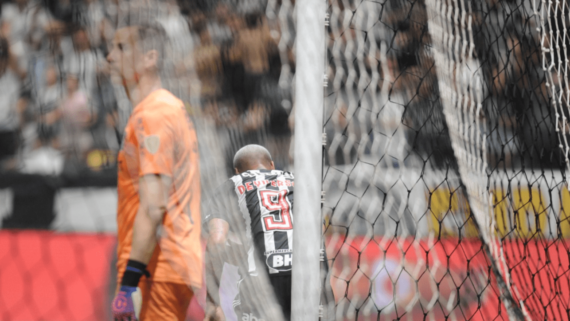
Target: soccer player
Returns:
[[158, 216], [254, 208]]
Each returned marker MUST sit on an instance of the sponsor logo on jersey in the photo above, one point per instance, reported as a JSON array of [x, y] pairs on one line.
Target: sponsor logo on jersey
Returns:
[[250, 186], [280, 260], [250, 317]]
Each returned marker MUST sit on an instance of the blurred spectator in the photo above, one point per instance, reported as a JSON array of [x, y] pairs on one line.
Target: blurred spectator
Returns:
[[9, 113], [233, 82], [224, 115], [338, 152], [56, 45], [178, 72], [176, 27], [23, 23], [208, 64], [29, 128], [85, 61], [254, 45], [218, 26], [46, 110], [44, 78], [76, 119], [49, 96], [254, 121], [95, 22], [43, 158], [279, 135], [235, 23]]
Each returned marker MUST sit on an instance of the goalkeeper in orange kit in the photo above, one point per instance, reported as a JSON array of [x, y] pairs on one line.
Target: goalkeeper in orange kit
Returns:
[[158, 214]]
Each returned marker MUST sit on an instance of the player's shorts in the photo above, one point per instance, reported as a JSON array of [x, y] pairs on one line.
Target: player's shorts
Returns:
[[164, 301], [245, 310]]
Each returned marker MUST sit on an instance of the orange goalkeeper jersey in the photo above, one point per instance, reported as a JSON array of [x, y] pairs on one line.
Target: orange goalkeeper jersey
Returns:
[[160, 139]]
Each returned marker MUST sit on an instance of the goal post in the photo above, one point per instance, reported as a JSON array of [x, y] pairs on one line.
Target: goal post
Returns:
[[310, 62]]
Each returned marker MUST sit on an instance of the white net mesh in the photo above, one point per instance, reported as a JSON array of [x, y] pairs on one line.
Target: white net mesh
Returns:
[[444, 183], [553, 40], [461, 94]]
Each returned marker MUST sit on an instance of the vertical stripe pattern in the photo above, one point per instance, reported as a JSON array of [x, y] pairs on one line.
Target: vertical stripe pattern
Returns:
[[265, 200]]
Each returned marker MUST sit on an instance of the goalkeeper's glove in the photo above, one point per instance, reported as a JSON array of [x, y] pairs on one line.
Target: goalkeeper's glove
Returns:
[[127, 303]]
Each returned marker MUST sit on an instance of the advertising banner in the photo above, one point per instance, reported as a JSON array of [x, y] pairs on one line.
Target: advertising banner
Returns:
[[447, 279], [60, 276]]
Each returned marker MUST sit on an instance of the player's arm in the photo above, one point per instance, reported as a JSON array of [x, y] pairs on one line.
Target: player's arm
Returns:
[[219, 230], [155, 149], [223, 244], [153, 204], [215, 254], [153, 195]]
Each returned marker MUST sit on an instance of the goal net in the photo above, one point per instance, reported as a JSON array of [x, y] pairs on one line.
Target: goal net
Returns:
[[445, 156], [445, 185]]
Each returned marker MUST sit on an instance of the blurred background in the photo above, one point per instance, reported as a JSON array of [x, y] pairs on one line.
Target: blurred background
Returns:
[[63, 116], [389, 164], [61, 125]]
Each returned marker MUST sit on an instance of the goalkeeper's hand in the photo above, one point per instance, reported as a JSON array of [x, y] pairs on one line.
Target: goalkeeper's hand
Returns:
[[214, 313], [127, 304]]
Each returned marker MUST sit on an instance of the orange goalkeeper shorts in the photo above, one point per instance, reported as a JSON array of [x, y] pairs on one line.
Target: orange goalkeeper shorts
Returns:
[[164, 301]]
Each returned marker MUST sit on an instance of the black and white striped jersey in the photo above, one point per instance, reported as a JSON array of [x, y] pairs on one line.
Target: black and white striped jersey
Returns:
[[260, 204]]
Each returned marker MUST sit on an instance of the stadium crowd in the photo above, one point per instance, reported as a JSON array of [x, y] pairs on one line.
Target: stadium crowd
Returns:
[[61, 113], [394, 51]]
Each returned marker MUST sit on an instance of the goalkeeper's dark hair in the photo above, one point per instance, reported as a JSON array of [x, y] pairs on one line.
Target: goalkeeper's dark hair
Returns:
[[153, 37], [151, 34]]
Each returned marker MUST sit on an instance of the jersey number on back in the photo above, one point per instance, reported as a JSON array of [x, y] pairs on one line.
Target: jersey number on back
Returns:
[[280, 211]]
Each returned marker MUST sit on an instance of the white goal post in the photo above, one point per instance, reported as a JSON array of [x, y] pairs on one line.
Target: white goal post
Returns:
[[310, 61]]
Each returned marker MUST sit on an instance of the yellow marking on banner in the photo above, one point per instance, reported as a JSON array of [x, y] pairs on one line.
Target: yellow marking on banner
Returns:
[[444, 203], [565, 212], [529, 211]]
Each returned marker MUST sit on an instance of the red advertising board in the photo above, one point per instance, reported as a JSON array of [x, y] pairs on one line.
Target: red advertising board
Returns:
[[59, 276], [391, 278], [51, 276]]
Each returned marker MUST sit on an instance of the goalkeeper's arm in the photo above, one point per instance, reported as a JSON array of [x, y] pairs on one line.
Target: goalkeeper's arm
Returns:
[[153, 196]]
